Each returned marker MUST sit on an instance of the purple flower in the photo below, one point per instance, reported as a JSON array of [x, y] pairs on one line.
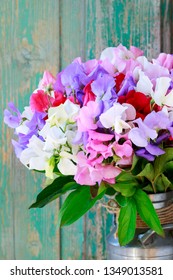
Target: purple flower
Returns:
[[103, 87], [128, 85], [13, 118], [70, 77], [97, 72], [149, 134], [34, 126], [157, 120], [143, 153], [37, 122]]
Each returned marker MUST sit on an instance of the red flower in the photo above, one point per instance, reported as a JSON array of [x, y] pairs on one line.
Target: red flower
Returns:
[[59, 99], [41, 101], [89, 95], [118, 79], [140, 101]]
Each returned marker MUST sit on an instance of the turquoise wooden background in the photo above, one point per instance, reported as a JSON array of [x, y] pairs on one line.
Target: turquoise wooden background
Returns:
[[47, 34]]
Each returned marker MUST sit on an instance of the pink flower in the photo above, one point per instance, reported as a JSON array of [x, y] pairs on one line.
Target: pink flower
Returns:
[[86, 119], [124, 60], [165, 60], [123, 149], [47, 80], [98, 147], [89, 175]]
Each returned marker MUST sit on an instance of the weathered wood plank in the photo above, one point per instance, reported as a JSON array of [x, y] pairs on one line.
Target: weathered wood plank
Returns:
[[166, 9], [72, 45], [109, 23], [30, 44], [49, 34]]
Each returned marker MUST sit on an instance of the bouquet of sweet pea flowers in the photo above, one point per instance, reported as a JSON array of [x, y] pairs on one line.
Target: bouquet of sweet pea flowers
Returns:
[[101, 127]]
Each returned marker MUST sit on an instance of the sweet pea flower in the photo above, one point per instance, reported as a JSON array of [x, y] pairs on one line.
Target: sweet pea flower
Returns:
[[144, 84], [123, 59], [88, 94], [152, 71], [165, 60], [139, 101], [162, 95], [63, 114], [146, 135], [88, 175], [122, 148], [98, 147], [34, 157], [140, 135], [47, 81], [103, 87], [115, 118], [13, 118], [87, 117], [53, 137]]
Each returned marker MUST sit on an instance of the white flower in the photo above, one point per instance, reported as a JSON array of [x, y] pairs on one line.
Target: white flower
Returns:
[[115, 117], [27, 116], [63, 114], [53, 136], [144, 84], [34, 157], [161, 95], [67, 164]]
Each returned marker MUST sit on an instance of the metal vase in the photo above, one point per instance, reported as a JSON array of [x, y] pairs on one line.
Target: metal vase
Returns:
[[146, 243]]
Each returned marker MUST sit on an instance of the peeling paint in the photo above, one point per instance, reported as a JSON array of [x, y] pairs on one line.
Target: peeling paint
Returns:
[[34, 244]]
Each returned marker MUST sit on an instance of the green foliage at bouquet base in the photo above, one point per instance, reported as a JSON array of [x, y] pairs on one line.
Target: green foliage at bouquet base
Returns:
[[76, 205]]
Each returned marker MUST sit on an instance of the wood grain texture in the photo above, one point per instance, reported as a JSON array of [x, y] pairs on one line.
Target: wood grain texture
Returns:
[[36, 35], [29, 44], [72, 37]]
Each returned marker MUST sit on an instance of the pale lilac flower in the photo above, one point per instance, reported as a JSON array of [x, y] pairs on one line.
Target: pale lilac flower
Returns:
[[103, 87], [152, 71], [13, 118], [146, 135], [141, 134], [165, 60]]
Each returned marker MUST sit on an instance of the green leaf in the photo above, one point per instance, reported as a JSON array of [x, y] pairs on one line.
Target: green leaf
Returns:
[[126, 184], [148, 188], [127, 222], [168, 171], [162, 183], [138, 164], [161, 161], [76, 205], [147, 212], [58, 187], [124, 177], [147, 172], [121, 200], [126, 188]]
